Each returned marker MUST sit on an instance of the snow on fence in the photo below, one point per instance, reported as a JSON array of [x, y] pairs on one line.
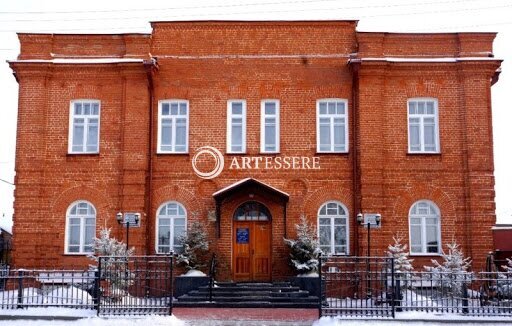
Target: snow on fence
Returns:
[[136, 285], [23, 288], [356, 286], [370, 287], [484, 293]]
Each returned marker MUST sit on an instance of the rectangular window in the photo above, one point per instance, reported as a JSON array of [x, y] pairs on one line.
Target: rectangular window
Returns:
[[84, 127], [269, 126], [332, 126], [236, 126], [173, 126], [423, 126]]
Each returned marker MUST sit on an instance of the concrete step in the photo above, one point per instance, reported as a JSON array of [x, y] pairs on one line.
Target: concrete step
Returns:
[[242, 288], [249, 295], [234, 293], [253, 284], [254, 304], [193, 298]]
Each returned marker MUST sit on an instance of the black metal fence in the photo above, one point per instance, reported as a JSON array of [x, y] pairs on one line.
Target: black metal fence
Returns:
[[482, 294], [46, 288], [370, 287], [138, 285], [356, 286]]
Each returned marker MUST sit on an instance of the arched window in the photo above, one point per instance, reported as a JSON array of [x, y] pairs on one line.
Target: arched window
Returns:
[[171, 222], [333, 228], [252, 211], [80, 228], [424, 228]]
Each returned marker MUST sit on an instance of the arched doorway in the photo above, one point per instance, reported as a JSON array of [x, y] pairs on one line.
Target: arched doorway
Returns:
[[252, 238]]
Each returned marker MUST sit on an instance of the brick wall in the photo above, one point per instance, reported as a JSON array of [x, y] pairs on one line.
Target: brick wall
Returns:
[[208, 63]]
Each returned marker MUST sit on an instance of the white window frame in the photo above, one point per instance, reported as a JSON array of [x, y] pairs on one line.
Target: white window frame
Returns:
[[171, 224], [331, 117], [82, 228], [173, 127], [422, 117], [263, 124], [229, 126], [423, 218], [332, 217], [86, 118]]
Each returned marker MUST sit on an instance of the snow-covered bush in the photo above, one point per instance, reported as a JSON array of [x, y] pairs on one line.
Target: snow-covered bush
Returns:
[[107, 246], [453, 273], [305, 250], [504, 282], [114, 268], [402, 264], [195, 247]]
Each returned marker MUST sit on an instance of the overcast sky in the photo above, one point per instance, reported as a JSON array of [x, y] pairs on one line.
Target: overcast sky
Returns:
[[100, 16]]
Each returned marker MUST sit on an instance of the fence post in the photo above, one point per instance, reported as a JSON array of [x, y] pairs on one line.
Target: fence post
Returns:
[[171, 285], [398, 294], [393, 289], [321, 292], [465, 308], [97, 292], [20, 290]]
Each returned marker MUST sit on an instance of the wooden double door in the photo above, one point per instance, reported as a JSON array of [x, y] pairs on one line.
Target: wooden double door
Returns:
[[252, 260]]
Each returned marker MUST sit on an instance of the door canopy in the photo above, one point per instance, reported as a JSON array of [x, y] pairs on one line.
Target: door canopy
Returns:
[[247, 185]]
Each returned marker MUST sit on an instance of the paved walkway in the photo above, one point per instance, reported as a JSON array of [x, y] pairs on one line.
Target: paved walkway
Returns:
[[246, 316]]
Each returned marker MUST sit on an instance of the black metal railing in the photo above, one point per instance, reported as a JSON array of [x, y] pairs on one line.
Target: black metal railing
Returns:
[[118, 286], [136, 285], [47, 288], [211, 275], [356, 286], [483, 294], [370, 287]]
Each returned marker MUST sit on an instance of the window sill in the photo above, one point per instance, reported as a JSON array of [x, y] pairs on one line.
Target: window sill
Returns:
[[425, 254], [165, 254], [173, 153], [78, 253], [423, 153], [332, 153], [237, 153], [83, 154], [270, 153], [335, 255]]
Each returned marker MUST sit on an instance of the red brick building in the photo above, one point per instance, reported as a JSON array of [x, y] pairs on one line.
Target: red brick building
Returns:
[[245, 126]]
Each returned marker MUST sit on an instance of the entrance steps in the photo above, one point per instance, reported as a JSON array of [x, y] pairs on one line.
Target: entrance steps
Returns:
[[249, 295]]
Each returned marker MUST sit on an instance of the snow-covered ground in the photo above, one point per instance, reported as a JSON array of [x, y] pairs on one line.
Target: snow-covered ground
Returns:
[[417, 319], [50, 311], [97, 321]]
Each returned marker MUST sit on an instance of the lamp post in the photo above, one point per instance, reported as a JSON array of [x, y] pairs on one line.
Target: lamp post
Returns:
[[361, 221], [120, 220]]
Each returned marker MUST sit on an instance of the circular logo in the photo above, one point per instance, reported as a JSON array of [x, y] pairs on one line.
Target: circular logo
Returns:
[[217, 156]]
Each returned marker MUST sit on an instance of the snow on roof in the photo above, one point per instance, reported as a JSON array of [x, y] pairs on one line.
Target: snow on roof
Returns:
[[81, 61], [424, 59], [238, 183], [502, 227]]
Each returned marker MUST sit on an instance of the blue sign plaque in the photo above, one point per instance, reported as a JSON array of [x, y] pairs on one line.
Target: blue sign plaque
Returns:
[[242, 235]]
